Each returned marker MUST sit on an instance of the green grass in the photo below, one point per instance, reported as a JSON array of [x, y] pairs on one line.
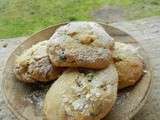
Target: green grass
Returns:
[[23, 17]]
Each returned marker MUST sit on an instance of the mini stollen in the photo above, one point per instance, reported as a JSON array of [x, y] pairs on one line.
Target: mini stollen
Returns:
[[34, 65], [129, 64], [80, 44], [81, 94]]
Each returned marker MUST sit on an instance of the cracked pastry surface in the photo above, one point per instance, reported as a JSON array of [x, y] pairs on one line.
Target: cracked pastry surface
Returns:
[[82, 94], [34, 65], [129, 64], [80, 44]]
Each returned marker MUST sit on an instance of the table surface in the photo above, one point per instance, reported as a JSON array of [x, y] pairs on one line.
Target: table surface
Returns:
[[146, 31]]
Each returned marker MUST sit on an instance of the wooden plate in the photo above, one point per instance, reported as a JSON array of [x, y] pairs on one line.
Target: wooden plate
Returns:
[[26, 101]]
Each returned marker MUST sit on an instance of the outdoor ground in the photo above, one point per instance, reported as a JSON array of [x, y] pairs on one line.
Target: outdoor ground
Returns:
[[23, 17]]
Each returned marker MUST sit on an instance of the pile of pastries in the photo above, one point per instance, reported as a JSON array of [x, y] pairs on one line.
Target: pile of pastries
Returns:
[[88, 68]]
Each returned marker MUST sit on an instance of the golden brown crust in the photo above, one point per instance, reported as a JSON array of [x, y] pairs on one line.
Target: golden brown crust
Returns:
[[80, 44], [81, 94], [129, 64], [34, 65], [129, 71]]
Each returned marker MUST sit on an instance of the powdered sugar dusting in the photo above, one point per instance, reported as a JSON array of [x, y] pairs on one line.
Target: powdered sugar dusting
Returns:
[[122, 51], [82, 44], [88, 96]]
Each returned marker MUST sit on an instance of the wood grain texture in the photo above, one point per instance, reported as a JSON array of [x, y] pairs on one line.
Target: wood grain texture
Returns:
[[147, 32], [5, 114]]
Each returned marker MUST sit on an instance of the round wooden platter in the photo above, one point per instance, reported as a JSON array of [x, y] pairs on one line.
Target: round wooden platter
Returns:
[[26, 101]]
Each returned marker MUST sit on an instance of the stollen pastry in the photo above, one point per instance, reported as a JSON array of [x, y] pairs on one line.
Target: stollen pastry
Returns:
[[129, 64], [80, 44], [81, 94], [34, 65]]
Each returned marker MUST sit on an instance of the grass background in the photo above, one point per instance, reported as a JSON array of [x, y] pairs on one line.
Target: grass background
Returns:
[[23, 17]]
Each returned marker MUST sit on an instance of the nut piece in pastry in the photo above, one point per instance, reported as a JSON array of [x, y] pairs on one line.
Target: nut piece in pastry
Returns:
[[129, 64], [80, 44], [81, 94], [34, 65]]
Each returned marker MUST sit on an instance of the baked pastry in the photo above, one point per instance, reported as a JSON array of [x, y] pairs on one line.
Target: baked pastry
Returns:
[[129, 64], [80, 44], [129, 71], [34, 65], [81, 94]]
